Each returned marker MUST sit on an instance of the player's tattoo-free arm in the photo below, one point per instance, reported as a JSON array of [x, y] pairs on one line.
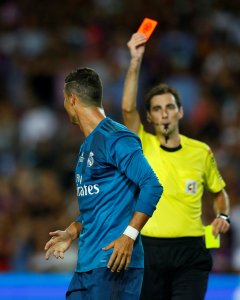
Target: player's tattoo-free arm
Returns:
[[123, 246], [136, 168], [61, 240]]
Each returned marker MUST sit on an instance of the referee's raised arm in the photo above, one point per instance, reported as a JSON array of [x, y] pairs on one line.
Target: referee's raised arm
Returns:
[[131, 116]]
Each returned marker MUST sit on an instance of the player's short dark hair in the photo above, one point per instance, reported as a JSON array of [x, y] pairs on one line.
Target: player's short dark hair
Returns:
[[85, 83], [161, 89]]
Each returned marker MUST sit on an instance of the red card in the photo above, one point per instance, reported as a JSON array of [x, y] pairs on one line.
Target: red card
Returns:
[[147, 27]]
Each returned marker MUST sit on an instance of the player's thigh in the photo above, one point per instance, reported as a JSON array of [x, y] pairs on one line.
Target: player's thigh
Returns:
[[125, 285], [102, 284], [76, 289], [131, 284]]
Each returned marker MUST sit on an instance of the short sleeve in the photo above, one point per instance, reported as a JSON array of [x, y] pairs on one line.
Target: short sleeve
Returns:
[[213, 179]]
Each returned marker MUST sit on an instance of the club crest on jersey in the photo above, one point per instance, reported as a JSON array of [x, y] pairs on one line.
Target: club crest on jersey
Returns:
[[191, 187], [81, 158], [90, 160]]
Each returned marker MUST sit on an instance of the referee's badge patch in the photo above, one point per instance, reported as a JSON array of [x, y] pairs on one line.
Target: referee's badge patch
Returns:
[[191, 187]]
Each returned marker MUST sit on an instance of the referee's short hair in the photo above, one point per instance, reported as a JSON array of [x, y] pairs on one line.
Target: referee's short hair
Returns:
[[161, 89]]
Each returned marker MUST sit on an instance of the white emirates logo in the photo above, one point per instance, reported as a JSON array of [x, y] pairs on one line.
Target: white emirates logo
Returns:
[[85, 190]]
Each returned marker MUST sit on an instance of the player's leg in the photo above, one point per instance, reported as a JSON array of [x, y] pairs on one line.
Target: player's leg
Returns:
[[131, 284], [102, 284], [77, 290], [107, 285]]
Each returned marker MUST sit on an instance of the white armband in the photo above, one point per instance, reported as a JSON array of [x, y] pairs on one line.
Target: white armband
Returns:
[[131, 232]]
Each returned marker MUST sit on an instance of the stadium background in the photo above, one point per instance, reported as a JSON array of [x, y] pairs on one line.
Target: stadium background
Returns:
[[196, 48]]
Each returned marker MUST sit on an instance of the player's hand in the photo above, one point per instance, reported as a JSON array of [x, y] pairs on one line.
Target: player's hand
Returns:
[[219, 225], [122, 252], [136, 45], [58, 244]]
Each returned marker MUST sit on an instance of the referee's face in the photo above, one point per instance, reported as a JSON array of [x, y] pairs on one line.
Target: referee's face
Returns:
[[164, 114]]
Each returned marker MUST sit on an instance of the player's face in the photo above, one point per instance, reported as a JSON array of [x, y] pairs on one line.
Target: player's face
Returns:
[[68, 105], [164, 114]]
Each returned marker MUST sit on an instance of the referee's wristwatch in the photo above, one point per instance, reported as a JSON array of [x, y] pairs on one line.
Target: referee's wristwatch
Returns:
[[224, 217]]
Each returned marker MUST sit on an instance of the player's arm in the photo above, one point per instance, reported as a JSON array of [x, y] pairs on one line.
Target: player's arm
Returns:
[[132, 162], [74, 229], [221, 223], [131, 116], [61, 240], [123, 246]]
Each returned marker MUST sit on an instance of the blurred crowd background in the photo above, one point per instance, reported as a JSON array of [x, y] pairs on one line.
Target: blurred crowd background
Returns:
[[196, 48]]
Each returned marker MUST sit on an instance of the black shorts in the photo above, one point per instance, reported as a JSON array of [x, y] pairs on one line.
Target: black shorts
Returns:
[[175, 268]]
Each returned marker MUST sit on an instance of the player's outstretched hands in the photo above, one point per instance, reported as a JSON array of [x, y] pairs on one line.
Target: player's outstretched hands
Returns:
[[58, 244], [122, 252], [136, 45]]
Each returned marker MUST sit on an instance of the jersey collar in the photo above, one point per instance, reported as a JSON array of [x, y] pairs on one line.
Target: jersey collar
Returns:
[[171, 149]]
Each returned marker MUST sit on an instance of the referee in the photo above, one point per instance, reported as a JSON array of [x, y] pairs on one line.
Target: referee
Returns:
[[177, 263]]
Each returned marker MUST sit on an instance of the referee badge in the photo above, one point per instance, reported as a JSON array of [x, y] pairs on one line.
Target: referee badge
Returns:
[[191, 186]]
